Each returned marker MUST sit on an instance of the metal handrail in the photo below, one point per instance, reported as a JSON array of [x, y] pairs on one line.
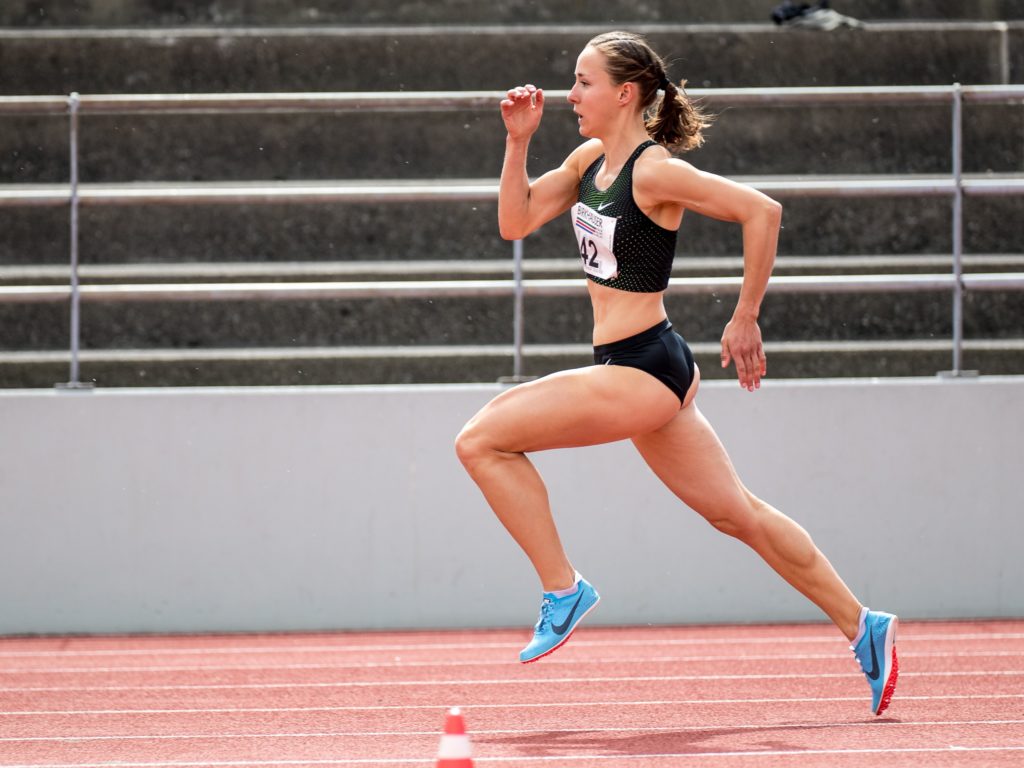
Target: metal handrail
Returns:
[[955, 186], [376, 100], [433, 289], [480, 190]]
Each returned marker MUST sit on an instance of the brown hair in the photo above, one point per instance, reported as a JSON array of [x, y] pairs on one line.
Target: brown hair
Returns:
[[672, 120]]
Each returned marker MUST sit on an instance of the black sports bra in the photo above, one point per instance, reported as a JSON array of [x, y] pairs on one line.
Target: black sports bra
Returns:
[[619, 245]]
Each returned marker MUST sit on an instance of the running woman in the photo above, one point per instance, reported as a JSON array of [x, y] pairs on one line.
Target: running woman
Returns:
[[627, 194]]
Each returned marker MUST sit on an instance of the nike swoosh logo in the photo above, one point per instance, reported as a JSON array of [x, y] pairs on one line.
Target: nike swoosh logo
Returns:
[[875, 671], [602, 206], [559, 629]]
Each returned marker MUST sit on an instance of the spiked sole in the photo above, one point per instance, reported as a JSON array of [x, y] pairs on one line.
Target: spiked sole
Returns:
[[892, 667], [890, 684]]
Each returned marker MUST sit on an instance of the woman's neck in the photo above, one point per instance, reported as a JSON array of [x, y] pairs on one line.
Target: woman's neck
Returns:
[[619, 144]]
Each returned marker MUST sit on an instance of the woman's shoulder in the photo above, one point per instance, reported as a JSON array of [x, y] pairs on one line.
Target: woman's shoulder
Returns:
[[585, 154], [656, 162], [659, 176], [653, 156]]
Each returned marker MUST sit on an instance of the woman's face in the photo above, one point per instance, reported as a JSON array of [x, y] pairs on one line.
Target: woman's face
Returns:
[[593, 96]]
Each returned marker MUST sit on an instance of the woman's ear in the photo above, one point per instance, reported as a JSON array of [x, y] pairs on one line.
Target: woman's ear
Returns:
[[627, 92]]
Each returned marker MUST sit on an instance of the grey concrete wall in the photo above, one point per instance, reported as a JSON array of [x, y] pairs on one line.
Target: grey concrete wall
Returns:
[[153, 12], [296, 509], [468, 143], [325, 58]]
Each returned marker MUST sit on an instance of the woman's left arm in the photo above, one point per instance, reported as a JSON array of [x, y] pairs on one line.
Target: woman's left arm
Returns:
[[675, 181]]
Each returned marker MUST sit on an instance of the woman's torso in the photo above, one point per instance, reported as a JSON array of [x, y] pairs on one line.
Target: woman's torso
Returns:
[[626, 251]]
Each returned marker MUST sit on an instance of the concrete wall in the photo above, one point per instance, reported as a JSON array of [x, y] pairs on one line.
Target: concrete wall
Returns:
[[166, 12], [296, 509]]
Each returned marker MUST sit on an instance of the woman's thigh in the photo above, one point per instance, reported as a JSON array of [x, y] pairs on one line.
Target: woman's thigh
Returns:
[[583, 406], [688, 457]]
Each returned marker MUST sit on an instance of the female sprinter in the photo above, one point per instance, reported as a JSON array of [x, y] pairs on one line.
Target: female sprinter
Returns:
[[627, 195]]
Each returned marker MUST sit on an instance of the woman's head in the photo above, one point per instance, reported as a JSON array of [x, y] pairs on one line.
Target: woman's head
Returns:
[[672, 119]]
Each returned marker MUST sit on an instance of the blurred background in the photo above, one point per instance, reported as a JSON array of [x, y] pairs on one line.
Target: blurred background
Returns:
[[179, 234]]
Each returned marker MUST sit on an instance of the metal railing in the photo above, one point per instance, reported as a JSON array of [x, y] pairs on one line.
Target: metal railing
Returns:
[[956, 185]]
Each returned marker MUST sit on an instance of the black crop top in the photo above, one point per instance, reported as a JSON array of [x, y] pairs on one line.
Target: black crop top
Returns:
[[620, 246]]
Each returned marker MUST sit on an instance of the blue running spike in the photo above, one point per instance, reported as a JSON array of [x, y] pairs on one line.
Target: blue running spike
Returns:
[[876, 654], [558, 618]]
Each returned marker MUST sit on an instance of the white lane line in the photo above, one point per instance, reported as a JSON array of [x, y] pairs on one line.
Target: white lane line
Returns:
[[515, 731], [440, 707], [951, 749], [618, 661], [501, 681], [759, 753], [905, 638], [700, 755]]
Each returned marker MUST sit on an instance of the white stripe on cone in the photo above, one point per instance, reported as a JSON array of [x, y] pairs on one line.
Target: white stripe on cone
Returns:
[[454, 747]]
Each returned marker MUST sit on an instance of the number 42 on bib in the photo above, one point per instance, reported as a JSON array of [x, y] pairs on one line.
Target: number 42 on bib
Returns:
[[596, 236]]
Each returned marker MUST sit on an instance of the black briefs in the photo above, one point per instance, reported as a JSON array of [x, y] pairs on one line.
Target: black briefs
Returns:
[[659, 351]]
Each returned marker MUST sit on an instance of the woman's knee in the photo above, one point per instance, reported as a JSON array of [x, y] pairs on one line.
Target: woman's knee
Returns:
[[766, 530], [467, 444], [739, 517], [475, 443]]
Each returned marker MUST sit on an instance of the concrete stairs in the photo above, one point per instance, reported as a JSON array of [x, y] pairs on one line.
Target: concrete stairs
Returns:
[[106, 47]]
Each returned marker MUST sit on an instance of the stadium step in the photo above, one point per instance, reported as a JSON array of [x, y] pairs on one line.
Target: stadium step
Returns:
[[462, 230], [461, 364], [480, 269], [484, 57], [467, 142], [66, 13], [476, 314]]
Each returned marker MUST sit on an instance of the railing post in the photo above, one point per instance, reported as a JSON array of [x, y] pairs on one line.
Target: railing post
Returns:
[[517, 317], [958, 231], [73, 377], [517, 310]]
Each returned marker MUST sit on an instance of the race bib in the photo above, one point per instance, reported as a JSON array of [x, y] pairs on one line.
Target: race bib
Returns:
[[596, 235]]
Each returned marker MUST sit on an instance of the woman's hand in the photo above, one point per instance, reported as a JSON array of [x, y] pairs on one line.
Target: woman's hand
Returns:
[[741, 343], [522, 109]]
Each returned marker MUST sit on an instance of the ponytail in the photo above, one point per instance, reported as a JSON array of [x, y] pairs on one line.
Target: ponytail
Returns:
[[677, 122]]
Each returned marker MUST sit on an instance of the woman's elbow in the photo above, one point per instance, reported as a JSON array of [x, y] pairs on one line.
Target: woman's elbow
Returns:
[[762, 212], [512, 231], [768, 215]]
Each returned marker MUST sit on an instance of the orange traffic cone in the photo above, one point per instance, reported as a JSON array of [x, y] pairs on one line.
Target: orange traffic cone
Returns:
[[454, 751]]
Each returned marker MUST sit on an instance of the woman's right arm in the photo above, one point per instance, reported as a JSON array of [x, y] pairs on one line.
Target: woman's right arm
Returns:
[[524, 207]]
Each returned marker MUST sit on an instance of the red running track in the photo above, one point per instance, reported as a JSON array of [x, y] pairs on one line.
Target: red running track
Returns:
[[727, 697]]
